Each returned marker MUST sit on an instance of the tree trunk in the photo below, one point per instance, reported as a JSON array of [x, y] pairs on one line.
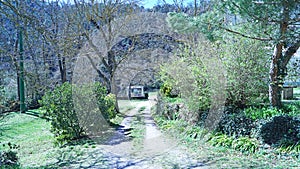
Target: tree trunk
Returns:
[[276, 81], [62, 68], [113, 90]]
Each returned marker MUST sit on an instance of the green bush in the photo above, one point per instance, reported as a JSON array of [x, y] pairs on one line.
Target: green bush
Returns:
[[187, 77], [106, 102], [236, 125], [247, 71], [60, 111], [292, 109], [166, 89], [280, 129], [75, 111]]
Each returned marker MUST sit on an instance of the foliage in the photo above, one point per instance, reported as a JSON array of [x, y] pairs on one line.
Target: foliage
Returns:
[[236, 125], [262, 113], [173, 100], [292, 109], [9, 156], [221, 140], [188, 75], [76, 110], [290, 148], [183, 23], [245, 144], [279, 129], [106, 102], [293, 69], [8, 94], [60, 112], [181, 129], [275, 24], [166, 89], [247, 71]]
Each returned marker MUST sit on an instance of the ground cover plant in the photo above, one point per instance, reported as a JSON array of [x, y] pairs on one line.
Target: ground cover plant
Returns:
[[228, 151], [75, 111], [256, 131]]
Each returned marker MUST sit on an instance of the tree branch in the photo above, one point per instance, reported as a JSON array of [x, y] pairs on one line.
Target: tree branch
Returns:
[[246, 36], [290, 52], [95, 67]]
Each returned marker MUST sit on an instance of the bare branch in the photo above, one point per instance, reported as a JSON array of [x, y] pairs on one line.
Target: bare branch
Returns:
[[246, 36]]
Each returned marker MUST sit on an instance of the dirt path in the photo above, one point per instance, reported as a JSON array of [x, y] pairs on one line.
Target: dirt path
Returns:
[[156, 150]]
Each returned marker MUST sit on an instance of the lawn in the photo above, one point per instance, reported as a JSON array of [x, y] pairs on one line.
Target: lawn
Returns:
[[33, 136], [297, 92]]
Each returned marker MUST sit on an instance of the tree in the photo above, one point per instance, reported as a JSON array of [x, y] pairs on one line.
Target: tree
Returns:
[[51, 40], [101, 16], [275, 22]]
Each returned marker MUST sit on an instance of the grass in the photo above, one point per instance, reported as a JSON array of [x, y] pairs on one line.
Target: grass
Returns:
[[33, 136], [297, 92], [127, 105], [138, 132], [139, 129]]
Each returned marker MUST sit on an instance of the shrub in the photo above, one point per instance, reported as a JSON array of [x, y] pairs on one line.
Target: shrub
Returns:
[[75, 111], [106, 102], [61, 113], [166, 89], [188, 77], [280, 129], [236, 125], [247, 71]]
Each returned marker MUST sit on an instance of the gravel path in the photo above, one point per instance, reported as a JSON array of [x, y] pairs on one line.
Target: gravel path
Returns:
[[158, 151]]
